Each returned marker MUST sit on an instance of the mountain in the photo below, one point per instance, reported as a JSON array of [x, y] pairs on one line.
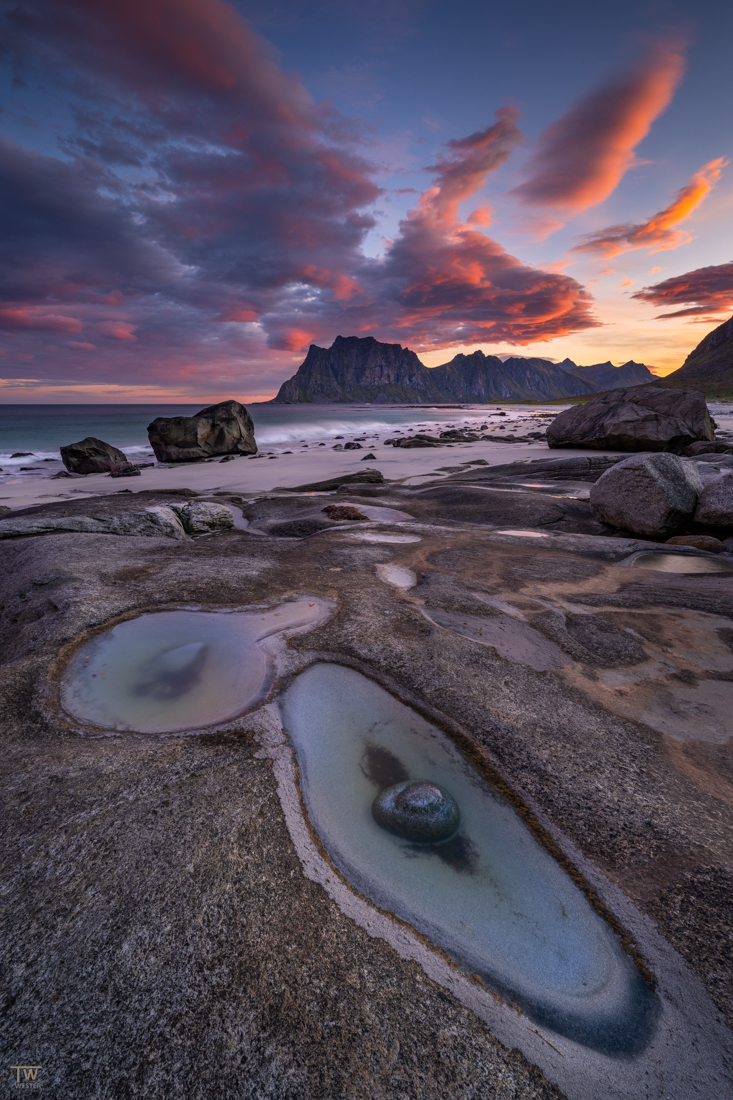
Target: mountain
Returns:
[[605, 376], [709, 368], [356, 369], [479, 377]]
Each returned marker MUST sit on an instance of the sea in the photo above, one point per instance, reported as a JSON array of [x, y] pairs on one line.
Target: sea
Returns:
[[31, 435]]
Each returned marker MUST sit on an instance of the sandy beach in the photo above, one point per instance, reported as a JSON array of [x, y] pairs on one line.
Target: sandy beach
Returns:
[[261, 474], [290, 463]]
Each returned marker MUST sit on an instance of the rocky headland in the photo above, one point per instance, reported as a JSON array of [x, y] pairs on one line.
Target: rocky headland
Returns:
[[709, 367]]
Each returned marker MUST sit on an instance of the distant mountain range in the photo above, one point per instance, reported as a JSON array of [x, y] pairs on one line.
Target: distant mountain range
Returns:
[[361, 369]]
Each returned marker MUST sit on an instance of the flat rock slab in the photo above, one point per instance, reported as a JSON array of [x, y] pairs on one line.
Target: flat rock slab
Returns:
[[165, 933]]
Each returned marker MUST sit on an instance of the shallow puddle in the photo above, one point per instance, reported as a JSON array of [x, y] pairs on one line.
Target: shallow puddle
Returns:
[[680, 563], [396, 575], [174, 670], [489, 895], [369, 536]]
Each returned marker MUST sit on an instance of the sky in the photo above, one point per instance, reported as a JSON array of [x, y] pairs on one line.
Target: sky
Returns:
[[194, 191]]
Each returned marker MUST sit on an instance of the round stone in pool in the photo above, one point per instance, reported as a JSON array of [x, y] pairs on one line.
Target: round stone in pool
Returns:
[[417, 810]]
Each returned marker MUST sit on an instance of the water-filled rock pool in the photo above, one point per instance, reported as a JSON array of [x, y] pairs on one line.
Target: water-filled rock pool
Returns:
[[169, 671], [680, 563], [490, 895]]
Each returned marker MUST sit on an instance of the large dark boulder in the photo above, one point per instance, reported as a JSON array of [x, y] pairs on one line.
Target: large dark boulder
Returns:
[[92, 456], [652, 495], [223, 429], [634, 420]]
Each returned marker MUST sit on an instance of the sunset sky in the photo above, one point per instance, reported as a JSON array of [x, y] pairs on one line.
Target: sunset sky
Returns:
[[196, 190]]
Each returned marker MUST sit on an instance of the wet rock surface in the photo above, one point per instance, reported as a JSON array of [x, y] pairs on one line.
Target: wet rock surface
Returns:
[[161, 935]]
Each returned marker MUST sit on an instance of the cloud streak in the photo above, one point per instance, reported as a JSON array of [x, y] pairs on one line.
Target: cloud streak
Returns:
[[703, 291], [657, 234], [580, 159]]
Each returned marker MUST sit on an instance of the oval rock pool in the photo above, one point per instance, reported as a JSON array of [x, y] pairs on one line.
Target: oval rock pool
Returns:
[[491, 896]]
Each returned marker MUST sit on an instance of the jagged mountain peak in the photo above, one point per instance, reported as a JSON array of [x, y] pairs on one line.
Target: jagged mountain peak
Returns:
[[363, 369]]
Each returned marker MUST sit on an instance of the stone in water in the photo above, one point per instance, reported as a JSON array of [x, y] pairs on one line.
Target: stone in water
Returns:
[[418, 811]]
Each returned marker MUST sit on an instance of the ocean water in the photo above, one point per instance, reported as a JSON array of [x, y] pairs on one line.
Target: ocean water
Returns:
[[43, 429]]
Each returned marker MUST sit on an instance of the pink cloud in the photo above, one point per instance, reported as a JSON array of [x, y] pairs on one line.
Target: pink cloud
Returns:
[[657, 233], [442, 282], [580, 159], [27, 319], [118, 330], [481, 216]]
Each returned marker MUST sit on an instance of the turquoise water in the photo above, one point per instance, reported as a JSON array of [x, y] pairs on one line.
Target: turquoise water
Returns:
[[42, 429], [491, 896]]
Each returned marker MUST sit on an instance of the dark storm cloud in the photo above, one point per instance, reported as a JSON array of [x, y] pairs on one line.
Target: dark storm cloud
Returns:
[[60, 239]]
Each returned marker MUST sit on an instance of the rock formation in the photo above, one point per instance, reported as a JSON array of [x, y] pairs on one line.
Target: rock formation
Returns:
[[634, 420], [649, 494], [221, 429], [156, 522], [92, 456], [201, 517], [358, 369]]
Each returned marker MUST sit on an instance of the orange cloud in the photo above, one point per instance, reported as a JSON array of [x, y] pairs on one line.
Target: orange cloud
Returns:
[[581, 158], [295, 339], [705, 290], [656, 234]]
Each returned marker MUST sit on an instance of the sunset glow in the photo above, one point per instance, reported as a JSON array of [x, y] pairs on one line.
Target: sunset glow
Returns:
[[196, 190]]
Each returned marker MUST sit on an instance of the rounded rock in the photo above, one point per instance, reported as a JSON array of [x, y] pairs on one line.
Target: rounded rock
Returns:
[[417, 810]]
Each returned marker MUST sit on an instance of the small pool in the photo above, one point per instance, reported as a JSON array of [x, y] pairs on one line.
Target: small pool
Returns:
[[523, 532], [169, 671], [375, 536], [489, 895], [680, 563]]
